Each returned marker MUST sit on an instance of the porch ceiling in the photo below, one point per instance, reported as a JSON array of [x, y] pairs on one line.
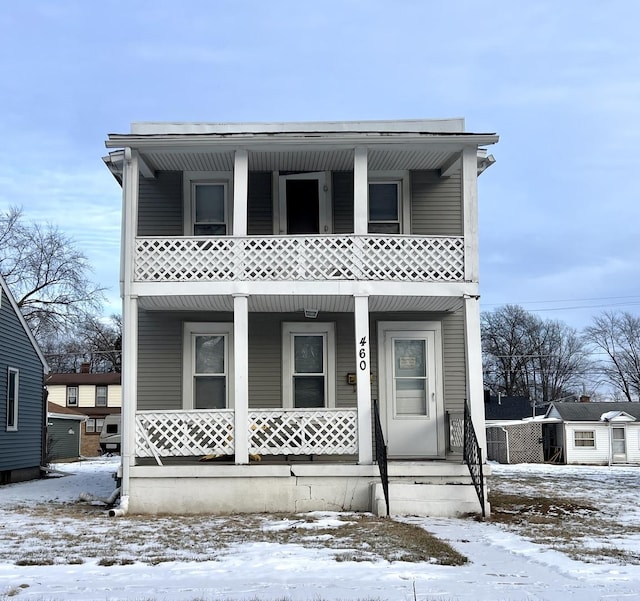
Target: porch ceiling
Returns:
[[328, 159], [297, 303]]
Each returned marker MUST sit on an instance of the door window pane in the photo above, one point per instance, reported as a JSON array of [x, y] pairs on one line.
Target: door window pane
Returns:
[[308, 354], [410, 381], [619, 447], [210, 377]]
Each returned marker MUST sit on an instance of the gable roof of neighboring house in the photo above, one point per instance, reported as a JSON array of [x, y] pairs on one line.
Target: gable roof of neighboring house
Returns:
[[23, 323], [590, 412], [509, 408], [76, 379]]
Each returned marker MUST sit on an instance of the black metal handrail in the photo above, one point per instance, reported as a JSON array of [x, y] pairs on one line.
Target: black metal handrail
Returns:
[[381, 454], [472, 454]]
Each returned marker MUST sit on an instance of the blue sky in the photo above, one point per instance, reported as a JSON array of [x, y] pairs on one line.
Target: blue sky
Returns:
[[559, 81]]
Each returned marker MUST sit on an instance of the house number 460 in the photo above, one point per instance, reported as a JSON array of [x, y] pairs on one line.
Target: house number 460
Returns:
[[362, 353]]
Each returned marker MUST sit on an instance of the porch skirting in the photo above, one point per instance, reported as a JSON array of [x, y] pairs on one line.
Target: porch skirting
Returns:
[[416, 488]]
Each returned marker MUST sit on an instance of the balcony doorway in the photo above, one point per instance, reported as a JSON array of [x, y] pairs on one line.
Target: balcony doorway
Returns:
[[304, 208]]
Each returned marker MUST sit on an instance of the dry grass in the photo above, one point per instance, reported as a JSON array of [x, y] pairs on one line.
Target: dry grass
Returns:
[[70, 533], [571, 525]]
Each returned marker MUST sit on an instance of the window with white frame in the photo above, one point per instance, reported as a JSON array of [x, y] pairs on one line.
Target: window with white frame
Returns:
[[308, 365], [207, 364], [101, 396], [72, 396], [90, 426], [584, 438], [12, 398], [99, 424], [385, 215], [207, 203]]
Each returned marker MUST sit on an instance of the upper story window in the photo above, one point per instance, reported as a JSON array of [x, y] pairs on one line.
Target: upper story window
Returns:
[[12, 398], [72, 396], [385, 214], [101, 396], [207, 205]]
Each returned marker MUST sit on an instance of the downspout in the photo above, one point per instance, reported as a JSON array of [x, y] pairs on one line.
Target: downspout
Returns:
[[506, 436]]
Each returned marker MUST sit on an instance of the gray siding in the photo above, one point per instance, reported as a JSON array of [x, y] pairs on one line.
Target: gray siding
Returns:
[[160, 356], [342, 185], [20, 450], [260, 204], [436, 204], [160, 205], [61, 444]]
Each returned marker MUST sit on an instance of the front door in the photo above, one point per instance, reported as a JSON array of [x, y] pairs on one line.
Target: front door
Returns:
[[618, 444], [303, 204], [411, 392]]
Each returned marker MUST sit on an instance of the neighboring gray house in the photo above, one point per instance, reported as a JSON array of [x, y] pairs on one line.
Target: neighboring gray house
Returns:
[[276, 279], [64, 432], [593, 433], [23, 410]]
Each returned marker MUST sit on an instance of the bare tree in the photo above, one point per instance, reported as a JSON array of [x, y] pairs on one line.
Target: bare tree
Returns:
[[527, 356], [96, 344], [617, 336], [47, 275]]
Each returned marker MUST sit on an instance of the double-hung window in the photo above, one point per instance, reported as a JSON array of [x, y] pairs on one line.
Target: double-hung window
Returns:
[[308, 365], [12, 398], [101, 396], [385, 213], [207, 364], [207, 203], [72, 396], [584, 438]]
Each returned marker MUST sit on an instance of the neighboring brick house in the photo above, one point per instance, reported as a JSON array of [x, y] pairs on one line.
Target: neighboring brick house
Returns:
[[94, 395]]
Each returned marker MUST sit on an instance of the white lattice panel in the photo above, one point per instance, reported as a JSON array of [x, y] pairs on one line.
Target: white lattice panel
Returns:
[[274, 258], [303, 432], [184, 433]]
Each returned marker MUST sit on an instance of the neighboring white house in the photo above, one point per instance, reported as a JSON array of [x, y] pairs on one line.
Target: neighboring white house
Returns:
[[276, 279], [596, 433]]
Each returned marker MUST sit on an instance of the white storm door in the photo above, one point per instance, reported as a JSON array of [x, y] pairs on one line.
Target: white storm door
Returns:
[[411, 400], [304, 208], [618, 444]]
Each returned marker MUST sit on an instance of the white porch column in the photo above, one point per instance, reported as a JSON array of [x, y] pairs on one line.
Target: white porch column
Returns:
[[129, 361], [241, 376], [475, 391], [470, 221], [360, 191], [363, 380], [240, 191]]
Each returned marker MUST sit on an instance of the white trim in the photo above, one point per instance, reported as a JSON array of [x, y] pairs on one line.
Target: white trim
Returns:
[[363, 379], [289, 330], [15, 401], [205, 328], [240, 192], [189, 179]]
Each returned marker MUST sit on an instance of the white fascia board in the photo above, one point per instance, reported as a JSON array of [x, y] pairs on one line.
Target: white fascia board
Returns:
[[259, 141]]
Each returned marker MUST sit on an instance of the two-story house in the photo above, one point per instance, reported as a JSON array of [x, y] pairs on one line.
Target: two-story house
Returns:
[[277, 279], [96, 395]]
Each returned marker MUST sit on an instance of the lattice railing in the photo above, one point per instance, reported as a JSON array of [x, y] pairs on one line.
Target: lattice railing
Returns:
[[306, 258], [184, 433], [161, 434], [303, 431]]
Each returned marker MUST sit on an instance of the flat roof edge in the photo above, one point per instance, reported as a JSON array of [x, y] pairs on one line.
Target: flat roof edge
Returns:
[[453, 125]]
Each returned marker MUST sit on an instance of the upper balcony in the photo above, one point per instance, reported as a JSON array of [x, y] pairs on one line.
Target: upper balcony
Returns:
[[391, 202]]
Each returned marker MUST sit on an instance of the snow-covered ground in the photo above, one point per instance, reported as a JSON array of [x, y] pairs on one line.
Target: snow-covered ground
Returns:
[[502, 565]]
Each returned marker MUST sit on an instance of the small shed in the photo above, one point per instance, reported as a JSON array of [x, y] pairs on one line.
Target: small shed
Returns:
[[515, 442], [64, 433]]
